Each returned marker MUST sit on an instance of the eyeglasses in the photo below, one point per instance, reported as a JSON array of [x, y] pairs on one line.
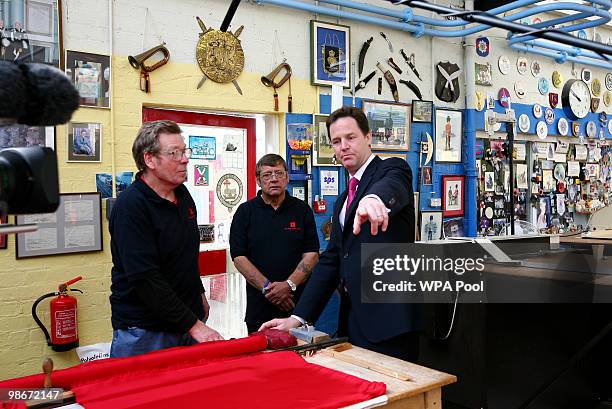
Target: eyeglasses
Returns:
[[279, 174], [177, 154]]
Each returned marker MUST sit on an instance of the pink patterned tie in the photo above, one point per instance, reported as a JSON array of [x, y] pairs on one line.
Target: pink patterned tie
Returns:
[[353, 182]]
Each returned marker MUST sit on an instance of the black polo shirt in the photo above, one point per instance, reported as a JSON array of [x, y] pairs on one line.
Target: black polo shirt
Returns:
[[274, 241], [153, 237]]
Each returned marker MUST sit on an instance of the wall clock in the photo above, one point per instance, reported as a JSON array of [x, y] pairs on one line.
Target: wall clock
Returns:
[[576, 99]]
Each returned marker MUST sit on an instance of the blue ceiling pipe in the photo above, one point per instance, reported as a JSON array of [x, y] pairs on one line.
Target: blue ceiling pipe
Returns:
[[415, 24]]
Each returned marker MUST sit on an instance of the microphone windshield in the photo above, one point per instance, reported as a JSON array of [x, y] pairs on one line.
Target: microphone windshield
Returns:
[[52, 98]]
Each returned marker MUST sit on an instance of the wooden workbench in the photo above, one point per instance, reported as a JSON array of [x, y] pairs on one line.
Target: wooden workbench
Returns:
[[409, 386]]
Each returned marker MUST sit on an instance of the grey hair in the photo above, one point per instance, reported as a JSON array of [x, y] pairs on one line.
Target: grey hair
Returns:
[[269, 159], [147, 139]]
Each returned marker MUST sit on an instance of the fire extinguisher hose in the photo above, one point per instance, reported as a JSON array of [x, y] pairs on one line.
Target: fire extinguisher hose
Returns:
[[40, 324]]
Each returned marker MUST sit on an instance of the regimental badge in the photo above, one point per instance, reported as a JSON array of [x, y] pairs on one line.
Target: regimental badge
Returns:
[[229, 190], [594, 104], [480, 101], [536, 68], [576, 128], [519, 89], [557, 79], [607, 98], [549, 116], [504, 97], [596, 87], [603, 119], [200, 175], [586, 75], [483, 46], [543, 85], [591, 129], [522, 64], [609, 80], [504, 64], [219, 55], [553, 99]]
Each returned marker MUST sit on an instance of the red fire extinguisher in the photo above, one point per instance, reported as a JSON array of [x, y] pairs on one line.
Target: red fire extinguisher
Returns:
[[64, 333]]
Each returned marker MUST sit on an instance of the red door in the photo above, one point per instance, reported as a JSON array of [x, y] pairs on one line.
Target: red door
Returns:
[[218, 168]]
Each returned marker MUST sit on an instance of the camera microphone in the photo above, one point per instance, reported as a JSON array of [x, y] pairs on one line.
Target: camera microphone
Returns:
[[35, 95]]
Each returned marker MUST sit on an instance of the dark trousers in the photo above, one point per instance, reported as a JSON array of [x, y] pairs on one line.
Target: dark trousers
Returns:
[[404, 346]]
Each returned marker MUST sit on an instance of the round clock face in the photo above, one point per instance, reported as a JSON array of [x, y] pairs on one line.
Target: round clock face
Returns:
[[576, 99]]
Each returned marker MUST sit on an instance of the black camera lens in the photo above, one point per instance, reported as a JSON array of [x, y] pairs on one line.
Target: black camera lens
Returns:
[[29, 180]]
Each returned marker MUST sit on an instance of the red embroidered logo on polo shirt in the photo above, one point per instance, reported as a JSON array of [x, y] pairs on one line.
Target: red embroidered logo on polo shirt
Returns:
[[191, 213], [293, 226]]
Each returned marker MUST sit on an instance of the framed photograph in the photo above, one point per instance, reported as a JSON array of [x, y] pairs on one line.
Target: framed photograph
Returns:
[[427, 175], [322, 152], [3, 237], [422, 111], [20, 136], [541, 214], [330, 49], [431, 225], [31, 32], [484, 74], [521, 176], [449, 131], [417, 207], [90, 74], [453, 193], [203, 147], [389, 124], [453, 227], [84, 142], [75, 227], [489, 181]]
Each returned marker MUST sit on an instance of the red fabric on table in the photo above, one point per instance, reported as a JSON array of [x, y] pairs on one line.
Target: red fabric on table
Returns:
[[265, 380], [91, 371], [277, 339]]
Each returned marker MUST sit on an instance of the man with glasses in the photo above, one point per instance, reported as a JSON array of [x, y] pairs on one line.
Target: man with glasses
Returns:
[[157, 298], [274, 245]]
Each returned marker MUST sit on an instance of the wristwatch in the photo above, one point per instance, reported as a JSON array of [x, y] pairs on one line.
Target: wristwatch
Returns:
[[265, 286], [292, 285]]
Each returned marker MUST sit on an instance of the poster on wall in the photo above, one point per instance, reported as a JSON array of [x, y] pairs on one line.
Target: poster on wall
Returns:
[[203, 147], [448, 135], [329, 183], [233, 152], [31, 32]]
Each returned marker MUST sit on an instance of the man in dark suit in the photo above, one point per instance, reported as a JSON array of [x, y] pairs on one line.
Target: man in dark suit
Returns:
[[377, 207]]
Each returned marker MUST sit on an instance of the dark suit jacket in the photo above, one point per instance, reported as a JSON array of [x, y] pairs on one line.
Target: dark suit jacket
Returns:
[[391, 180]]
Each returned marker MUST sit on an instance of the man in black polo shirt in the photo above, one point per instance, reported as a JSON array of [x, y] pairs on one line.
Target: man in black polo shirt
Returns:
[[274, 245], [157, 298]]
